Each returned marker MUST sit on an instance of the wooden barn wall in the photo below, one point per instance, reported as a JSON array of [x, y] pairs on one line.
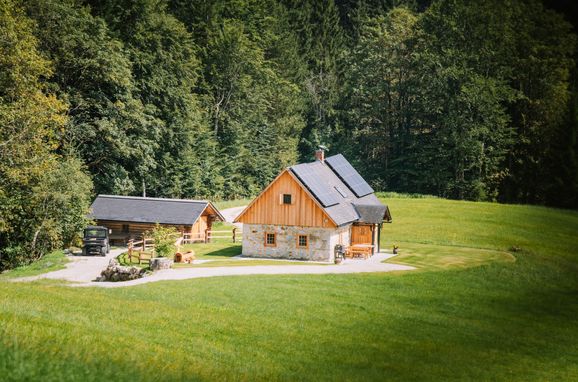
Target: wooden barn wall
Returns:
[[267, 209], [135, 229], [200, 225]]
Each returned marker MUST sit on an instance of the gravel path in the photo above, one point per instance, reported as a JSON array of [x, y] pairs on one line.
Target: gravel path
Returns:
[[231, 213], [82, 270], [374, 264]]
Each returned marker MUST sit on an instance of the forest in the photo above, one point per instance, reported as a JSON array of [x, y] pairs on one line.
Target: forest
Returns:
[[211, 99]]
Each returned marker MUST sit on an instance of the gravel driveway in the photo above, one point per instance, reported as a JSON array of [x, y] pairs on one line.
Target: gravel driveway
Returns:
[[80, 269], [372, 265], [231, 213]]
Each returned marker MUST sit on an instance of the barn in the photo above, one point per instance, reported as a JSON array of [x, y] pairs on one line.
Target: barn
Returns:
[[311, 207], [129, 217]]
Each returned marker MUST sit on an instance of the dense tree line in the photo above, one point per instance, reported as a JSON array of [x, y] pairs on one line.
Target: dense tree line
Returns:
[[210, 99]]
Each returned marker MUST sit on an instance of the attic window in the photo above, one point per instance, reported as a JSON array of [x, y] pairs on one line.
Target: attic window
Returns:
[[287, 199], [341, 192]]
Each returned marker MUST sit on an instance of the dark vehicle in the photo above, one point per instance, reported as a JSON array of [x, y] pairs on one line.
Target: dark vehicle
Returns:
[[95, 241]]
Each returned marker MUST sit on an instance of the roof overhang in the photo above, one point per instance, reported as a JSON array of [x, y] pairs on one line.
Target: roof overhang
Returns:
[[372, 213]]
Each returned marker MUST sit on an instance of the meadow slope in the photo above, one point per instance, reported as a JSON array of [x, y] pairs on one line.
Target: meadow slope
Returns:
[[502, 320]]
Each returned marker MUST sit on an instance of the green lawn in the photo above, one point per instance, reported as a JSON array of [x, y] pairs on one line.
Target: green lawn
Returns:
[[232, 203], [502, 320], [51, 262], [430, 257]]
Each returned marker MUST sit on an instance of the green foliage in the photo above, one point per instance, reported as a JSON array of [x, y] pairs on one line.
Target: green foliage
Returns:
[[44, 193], [50, 262], [439, 102], [467, 100], [164, 240]]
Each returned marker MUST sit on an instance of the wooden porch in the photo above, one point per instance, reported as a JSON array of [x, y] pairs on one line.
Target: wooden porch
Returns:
[[364, 240]]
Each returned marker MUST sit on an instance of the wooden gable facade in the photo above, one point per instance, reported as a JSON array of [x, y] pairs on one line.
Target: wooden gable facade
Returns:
[[272, 207]]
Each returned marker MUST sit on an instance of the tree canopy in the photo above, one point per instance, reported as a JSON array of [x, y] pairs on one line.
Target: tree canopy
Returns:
[[191, 99]]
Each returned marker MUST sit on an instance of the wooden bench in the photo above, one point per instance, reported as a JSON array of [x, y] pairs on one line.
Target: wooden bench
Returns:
[[360, 250]]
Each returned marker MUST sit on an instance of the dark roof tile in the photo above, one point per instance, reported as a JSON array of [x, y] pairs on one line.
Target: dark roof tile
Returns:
[[148, 210]]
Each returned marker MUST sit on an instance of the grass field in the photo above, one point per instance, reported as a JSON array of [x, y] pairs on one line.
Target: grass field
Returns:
[[502, 320], [49, 263], [232, 203], [428, 257]]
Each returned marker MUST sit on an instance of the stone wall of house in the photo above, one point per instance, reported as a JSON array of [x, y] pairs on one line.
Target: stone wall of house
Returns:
[[320, 247]]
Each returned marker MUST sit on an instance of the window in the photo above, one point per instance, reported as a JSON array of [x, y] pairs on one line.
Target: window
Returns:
[[125, 228], [270, 239], [287, 199], [302, 241]]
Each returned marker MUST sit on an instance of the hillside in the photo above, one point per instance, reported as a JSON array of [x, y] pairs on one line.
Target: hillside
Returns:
[[502, 320]]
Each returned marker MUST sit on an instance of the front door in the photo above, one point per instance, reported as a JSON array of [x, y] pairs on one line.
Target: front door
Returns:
[[361, 234]]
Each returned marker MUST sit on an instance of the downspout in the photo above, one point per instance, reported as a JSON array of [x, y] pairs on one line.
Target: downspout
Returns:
[[373, 239], [379, 236]]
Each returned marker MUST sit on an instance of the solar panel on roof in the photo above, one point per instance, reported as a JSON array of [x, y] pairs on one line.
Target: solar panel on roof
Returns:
[[349, 175], [326, 195]]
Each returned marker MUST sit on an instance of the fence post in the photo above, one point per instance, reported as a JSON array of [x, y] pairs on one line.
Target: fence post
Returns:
[[206, 235], [234, 234], [130, 251]]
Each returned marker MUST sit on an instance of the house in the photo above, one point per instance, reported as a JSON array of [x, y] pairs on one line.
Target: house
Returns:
[[311, 207], [129, 217]]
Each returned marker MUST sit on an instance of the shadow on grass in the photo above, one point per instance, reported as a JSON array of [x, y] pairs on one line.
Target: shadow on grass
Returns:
[[228, 251]]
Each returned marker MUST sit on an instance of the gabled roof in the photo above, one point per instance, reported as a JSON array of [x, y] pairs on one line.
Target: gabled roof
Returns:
[[150, 210], [337, 197]]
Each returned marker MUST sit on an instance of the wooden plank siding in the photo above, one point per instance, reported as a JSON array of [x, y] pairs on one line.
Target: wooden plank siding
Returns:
[[268, 208], [136, 230], [362, 234]]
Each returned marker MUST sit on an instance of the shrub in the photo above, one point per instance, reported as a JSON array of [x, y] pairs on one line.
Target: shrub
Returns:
[[164, 239]]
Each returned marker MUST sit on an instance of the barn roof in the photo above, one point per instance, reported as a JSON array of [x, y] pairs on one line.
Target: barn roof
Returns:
[[341, 191], [149, 210]]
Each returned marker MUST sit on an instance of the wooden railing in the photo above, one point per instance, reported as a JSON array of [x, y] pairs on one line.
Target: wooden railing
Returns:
[[209, 234], [142, 250], [189, 238]]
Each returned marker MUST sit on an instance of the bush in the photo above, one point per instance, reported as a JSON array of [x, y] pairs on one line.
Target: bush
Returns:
[[164, 240]]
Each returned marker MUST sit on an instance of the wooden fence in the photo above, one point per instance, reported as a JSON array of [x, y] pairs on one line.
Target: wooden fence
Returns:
[[208, 235], [142, 250]]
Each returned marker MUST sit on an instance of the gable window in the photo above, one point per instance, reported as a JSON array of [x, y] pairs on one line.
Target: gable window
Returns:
[[287, 199], [270, 239], [125, 228], [302, 241]]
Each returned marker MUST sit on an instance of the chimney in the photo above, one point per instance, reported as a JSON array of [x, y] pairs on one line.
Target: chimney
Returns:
[[320, 155]]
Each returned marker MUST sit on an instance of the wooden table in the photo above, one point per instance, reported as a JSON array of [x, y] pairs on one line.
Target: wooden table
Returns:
[[364, 250]]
